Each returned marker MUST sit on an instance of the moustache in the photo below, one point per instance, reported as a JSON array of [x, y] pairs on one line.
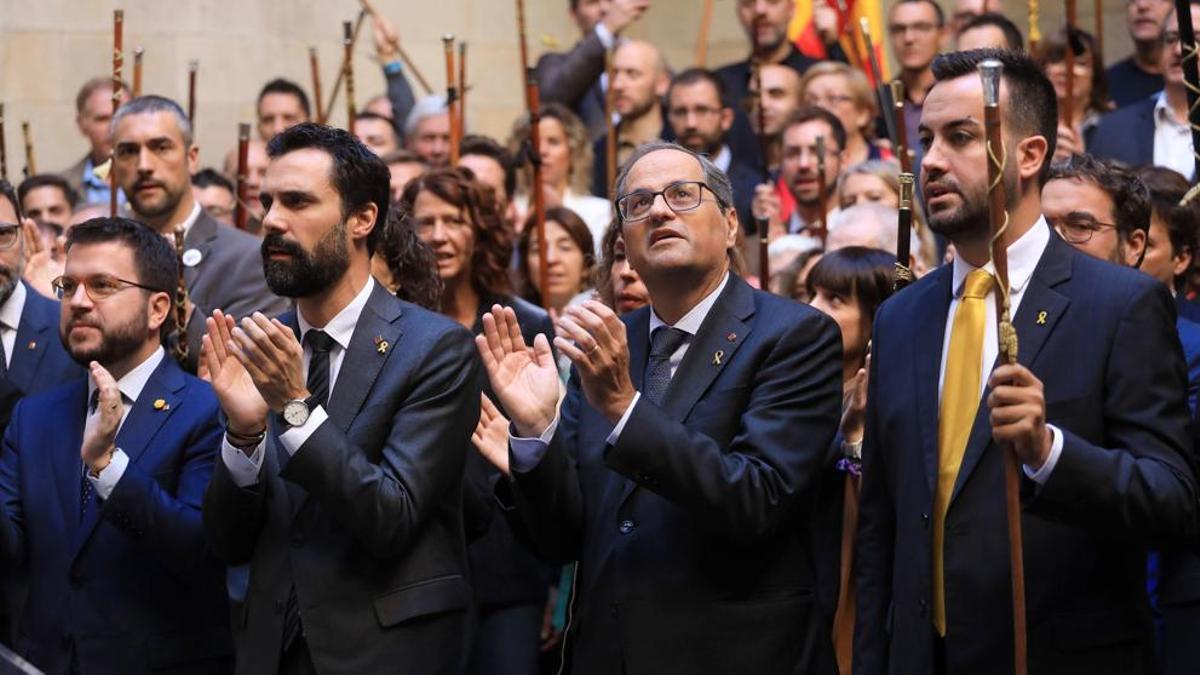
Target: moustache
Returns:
[[274, 243]]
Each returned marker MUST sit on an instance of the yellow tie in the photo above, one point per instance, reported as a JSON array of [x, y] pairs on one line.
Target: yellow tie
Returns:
[[960, 401]]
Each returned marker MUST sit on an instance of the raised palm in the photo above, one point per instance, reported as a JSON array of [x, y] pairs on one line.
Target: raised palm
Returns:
[[239, 398], [524, 379]]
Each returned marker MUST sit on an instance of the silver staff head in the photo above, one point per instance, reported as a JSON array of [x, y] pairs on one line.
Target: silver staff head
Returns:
[[989, 72]]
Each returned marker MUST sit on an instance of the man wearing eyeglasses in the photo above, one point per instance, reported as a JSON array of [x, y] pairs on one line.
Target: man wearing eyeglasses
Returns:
[[1098, 207], [915, 30], [676, 471], [101, 479]]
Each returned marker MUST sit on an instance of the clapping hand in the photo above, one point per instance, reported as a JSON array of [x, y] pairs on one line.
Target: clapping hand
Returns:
[[525, 379], [100, 434]]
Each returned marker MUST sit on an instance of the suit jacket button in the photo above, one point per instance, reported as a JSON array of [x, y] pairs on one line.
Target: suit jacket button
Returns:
[[924, 606], [625, 527], [925, 520]]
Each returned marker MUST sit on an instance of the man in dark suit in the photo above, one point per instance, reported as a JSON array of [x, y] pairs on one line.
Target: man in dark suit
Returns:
[[342, 489], [154, 157], [103, 514], [574, 78], [93, 116], [1099, 431], [691, 431]]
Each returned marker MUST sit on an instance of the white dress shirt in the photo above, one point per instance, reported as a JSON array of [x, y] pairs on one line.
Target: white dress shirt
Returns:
[[1023, 257], [244, 470], [10, 320], [527, 452], [131, 386], [1172, 140]]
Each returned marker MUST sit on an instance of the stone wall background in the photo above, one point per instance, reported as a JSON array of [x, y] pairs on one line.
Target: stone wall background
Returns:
[[48, 48]]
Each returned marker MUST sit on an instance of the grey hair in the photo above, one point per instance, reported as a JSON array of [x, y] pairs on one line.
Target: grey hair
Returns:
[[145, 105], [878, 219], [716, 179], [428, 106]]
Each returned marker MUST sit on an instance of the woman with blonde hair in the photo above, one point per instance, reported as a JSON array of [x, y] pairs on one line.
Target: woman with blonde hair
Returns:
[[879, 181], [845, 92]]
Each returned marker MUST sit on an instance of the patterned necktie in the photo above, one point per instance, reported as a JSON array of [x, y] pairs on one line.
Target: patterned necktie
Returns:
[[663, 343], [85, 485], [318, 366], [960, 401]]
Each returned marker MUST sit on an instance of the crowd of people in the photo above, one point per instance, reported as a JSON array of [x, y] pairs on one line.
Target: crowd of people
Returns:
[[615, 451]]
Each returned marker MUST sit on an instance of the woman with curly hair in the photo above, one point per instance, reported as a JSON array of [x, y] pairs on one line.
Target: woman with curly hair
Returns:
[[405, 264]]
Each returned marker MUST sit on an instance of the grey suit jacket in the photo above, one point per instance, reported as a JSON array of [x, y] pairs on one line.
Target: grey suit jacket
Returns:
[[74, 175], [573, 79], [365, 519], [228, 277]]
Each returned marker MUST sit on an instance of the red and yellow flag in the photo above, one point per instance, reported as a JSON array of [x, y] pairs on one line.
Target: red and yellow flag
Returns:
[[804, 32]]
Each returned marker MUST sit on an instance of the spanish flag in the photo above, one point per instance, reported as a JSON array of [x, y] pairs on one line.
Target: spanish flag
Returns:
[[804, 32]]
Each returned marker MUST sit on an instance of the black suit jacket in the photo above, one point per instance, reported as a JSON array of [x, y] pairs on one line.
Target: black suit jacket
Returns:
[[1124, 479], [1126, 134], [573, 79], [365, 519], [686, 530]]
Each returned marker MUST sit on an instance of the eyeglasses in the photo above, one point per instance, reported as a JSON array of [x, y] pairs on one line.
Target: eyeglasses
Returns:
[[9, 233], [1078, 229], [1170, 38], [680, 196], [98, 287]]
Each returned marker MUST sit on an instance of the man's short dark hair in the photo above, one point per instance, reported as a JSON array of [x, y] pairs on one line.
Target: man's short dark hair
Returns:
[[1131, 199], [48, 180], [209, 177], [937, 9], [391, 124], [359, 175], [7, 192], [812, 113], [1031, 108], [1167, 188], [282, 86], [478, 144], [1012, 35], [694, 76], [154, 257]]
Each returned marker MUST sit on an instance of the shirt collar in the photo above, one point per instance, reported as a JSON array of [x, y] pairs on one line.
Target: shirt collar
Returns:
[[341, 326], [191, 219], [132, 384], [10, 311], [723, 158], [1023, 257], [690, 322]]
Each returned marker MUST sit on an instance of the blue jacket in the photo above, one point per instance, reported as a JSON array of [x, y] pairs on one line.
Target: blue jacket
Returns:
[[1126, 134], [38, 361]]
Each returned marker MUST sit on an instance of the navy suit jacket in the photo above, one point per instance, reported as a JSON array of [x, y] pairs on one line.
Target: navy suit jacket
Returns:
[[39, 361], [1126, 134], [132, 586], [365, 520], [1124, 479], [692, 558]]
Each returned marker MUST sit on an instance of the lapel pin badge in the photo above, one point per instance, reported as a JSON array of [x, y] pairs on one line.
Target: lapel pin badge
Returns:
[[160, 404], [191, 257], [731, 337], [32, 345], [381, 345], [717, 356], [1041, 318]]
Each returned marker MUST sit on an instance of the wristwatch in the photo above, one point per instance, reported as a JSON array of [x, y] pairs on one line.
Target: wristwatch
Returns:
[[295, 412]]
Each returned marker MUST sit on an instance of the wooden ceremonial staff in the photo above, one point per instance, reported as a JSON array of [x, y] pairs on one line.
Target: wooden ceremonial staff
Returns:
[[900, 140], [761, 225], [408, 63], [706, 17], [890, 122], [452, 97], [1035, 30], [462, 90], [612, 137], [1099, 9], [193, 66], [117, 60], [348, 34], [240, 212], [1068, 107], [904, 275], [821, 228], [179, 349], [1191, 76], [337, 84], [30, 164], [315, 67], [3, 150], [990, 72], [537, 193], [137, 71]]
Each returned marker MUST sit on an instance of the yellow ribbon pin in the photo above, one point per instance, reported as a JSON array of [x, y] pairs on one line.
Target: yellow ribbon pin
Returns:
[[1041, 319], [717, 356], [160, 404]]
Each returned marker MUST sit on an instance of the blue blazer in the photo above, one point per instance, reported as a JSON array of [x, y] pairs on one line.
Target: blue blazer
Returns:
[[132, 586], [1106, 349], [1126, 134], [38, 361]]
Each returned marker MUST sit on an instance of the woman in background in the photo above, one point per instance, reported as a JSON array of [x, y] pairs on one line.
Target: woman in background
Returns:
[[569, 260]]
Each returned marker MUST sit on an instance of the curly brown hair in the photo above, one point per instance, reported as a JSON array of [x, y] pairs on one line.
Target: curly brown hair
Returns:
[[493, 235], [411, 262]]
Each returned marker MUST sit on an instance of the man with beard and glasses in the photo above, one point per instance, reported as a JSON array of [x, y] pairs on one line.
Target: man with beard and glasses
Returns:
[[1100, 431], [154, 158], [347, 426], [102, 514], [1099, 207], [701, 122]]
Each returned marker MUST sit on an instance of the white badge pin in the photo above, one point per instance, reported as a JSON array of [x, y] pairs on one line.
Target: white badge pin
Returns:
[[191, 257]]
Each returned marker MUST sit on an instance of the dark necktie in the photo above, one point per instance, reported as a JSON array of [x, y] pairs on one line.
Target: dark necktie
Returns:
[[663, 343], [320, 344], [85, 485], [3, 358]]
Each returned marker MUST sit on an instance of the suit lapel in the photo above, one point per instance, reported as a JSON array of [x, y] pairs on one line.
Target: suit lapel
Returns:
[[929, 325], [200, 238], [145, 419], [638, 334], [365, 356], [33, 336]]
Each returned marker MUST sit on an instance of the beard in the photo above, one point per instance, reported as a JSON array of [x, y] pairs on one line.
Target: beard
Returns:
[[8, 282], [153, 208], [305, 274], [116, 342]]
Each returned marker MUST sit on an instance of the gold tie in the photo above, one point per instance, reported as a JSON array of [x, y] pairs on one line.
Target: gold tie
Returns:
[[960, 401]]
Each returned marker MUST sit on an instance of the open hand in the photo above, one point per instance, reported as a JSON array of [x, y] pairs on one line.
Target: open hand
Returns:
[[491, 434], [524, 379], [593, 337], [239, 398], [100, 434]]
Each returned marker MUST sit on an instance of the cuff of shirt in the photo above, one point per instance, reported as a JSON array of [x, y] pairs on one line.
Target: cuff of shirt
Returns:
[[293, 438], [616, 432], [606, 36], [525, 453], [392, 67], [244, 470], [109, 475], [1056, 447]]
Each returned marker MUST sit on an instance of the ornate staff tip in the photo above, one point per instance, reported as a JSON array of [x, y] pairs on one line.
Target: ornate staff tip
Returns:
[[906, 190], [989, 71], [448, 38], [193, 65], [347, 32], [897, 92]]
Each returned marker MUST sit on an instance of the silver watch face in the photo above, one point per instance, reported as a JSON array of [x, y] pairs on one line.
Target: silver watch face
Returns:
[[295, 413]]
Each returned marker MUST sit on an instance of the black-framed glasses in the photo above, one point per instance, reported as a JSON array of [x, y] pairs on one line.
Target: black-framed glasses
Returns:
[[681, 196], [1078, 228], [98, 286], [9, 234]]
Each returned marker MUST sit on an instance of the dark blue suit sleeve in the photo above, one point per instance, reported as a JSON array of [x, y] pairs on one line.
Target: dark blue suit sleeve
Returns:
[[400, 93], [12, 515]]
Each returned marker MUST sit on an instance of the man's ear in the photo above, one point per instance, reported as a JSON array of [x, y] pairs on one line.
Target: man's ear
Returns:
[[1031, 153], [1135, 248], [160, 308], [363, 221]]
